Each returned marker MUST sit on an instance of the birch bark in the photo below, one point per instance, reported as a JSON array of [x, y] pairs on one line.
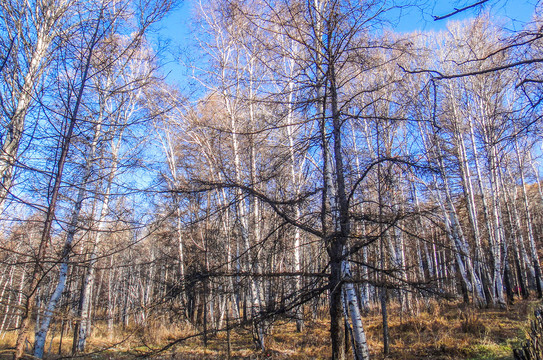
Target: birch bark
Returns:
[[46, 20], [71, 118], [51, 306], [535, 263]]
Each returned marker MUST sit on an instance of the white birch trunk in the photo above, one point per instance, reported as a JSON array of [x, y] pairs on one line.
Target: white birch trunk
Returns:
[[41, 334], [243, 222], [529, 226], [361, 349], [168, 148], [499, 245], [7, 301], [295, 183], [454, 229], [88, 282], [494, 248], [478, 294], [51, 14]]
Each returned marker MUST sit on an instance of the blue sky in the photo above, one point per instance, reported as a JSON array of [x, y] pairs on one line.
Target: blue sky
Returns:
[[515, 12], [175, 36]]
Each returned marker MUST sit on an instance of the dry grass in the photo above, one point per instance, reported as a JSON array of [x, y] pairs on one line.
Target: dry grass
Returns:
[[453, 331], [437, 331]]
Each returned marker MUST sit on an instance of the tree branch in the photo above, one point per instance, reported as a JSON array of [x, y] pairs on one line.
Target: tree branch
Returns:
[[457, 11]]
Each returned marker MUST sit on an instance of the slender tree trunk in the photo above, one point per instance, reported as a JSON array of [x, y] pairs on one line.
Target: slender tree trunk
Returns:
[[531, 239], [83, 325], [494, 248], [72, 117], [48, 15], [167, 145], [41, 335], [479, 295], [340, 206], [297, 233]]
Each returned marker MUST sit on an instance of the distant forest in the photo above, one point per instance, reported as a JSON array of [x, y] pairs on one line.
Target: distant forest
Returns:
[[321, 164]]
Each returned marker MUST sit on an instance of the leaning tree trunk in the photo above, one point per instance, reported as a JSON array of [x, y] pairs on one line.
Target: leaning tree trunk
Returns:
[[49, 217], [47, 16], [41, 334]]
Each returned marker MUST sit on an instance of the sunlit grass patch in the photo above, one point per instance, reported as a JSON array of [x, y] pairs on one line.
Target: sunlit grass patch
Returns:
[[437, 331]]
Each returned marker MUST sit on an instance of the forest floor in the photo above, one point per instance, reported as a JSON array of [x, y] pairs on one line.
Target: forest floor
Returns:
[[440, 331]]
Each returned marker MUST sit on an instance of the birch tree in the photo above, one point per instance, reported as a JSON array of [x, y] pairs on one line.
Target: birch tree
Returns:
[[28, 31], [71, 117], [79, 61]]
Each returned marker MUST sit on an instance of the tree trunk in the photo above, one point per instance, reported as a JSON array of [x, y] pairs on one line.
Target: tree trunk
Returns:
[[41, 335], [46, 234]]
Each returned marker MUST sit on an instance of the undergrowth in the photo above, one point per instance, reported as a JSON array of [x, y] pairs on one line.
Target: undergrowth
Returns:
[[431, 330]]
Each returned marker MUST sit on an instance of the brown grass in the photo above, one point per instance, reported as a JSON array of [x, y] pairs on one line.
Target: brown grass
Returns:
[[437, 331]]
